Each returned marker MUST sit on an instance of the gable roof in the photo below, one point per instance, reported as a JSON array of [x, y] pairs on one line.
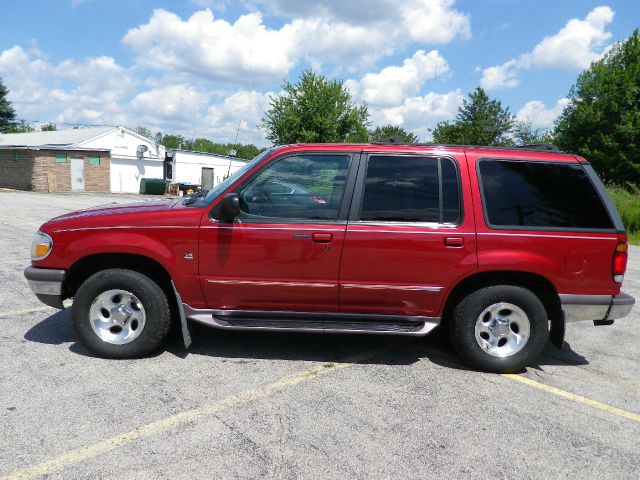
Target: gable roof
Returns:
[[56, 139]]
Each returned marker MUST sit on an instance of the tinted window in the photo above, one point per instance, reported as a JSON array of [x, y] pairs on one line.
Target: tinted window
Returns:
[[297, 187], [407, 189], [537, 194]]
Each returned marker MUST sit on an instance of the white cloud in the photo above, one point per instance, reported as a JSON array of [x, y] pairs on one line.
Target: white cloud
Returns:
[[172, 104], [392, 84], [86, 91], [420, 114], [213, 49], [428, 21], [539, 115], [239, 115], [575, 46]]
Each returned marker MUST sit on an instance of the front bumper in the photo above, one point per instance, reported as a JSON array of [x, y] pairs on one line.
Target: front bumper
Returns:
[[46, 283], [602, 309]]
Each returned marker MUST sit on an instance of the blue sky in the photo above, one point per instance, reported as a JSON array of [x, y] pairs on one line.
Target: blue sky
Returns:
[[208, 67]]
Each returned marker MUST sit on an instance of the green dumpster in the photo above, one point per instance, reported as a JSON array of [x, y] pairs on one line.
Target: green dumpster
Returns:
[[153, 186]]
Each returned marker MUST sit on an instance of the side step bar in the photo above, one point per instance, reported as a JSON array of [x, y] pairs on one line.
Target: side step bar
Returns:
[[312, 322]]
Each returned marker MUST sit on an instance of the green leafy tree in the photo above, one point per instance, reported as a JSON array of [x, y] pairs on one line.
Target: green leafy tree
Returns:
[[523, 133], [19, 127], [49, 127], [175, 142], [602, 120], [7, 113], [315, 109], [144, 131], [480, 121], [388, 131]]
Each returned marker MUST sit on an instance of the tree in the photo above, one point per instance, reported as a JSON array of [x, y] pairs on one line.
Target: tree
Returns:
[[523, 133], [49, 127], [20, 126], [144, 131], [480, 121], [315, 110], [388, 131], [7, 113], [602, 120], [175, 142]]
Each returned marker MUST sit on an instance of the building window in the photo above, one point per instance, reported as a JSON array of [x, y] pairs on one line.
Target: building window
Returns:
[[16, 155], [61, 158], [94, 160]]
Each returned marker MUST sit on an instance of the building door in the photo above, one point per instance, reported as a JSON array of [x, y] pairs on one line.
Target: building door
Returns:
[[77, 174], [207, 178]]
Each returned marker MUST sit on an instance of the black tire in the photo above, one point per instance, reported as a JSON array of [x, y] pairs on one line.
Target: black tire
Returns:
[[154, 306], [467, 313]]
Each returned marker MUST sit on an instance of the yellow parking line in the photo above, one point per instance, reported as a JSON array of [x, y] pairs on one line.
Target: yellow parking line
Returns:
[[24, 310], [165, 424], [576, 398]]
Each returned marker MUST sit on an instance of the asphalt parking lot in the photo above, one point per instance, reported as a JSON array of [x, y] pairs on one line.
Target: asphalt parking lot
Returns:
[[300, 406]]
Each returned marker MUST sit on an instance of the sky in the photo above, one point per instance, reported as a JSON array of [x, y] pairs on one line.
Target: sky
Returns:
[[208, 68]]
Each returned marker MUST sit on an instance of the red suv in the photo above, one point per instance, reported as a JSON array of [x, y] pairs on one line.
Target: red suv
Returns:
[[502, 246]]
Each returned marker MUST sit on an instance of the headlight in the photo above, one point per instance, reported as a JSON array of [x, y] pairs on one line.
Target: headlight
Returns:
[[41, 246]]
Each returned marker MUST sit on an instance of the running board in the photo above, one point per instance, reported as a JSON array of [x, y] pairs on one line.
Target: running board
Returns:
[[312, 322]]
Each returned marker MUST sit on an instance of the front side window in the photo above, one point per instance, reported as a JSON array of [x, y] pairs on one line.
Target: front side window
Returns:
[[411, 189], [300, 187], [540, 194]]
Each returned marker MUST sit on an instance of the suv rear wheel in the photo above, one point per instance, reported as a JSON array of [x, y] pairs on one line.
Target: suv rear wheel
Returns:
[[501, 328], [121, 313]]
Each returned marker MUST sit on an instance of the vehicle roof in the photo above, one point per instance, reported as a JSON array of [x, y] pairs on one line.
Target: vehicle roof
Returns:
[[492, 152]]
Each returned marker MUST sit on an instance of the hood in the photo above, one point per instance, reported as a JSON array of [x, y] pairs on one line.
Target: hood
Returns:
[[120, 208]]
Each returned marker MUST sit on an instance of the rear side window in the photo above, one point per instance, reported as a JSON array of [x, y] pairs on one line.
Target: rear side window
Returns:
[[540, 194], [411, 189]]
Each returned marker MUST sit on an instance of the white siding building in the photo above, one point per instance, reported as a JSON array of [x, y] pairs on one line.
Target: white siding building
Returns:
[[132, 157], [198, 168]]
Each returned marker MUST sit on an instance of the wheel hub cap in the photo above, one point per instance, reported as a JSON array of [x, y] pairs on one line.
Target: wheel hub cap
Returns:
[[117, 316], [502, 329], [121, 314]]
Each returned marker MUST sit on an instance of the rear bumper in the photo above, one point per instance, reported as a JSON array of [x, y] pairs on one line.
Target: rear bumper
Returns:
[[46, 283], [602, 309]]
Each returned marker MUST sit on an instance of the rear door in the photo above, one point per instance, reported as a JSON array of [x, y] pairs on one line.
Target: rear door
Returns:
[[283, 251], [408, 238]]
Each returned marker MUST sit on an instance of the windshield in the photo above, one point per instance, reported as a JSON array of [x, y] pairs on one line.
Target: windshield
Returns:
[[222, 186]]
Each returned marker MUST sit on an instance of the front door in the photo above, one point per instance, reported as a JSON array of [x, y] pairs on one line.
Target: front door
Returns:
[[207, 178], [407, 239], [77, 174], [283, 251]]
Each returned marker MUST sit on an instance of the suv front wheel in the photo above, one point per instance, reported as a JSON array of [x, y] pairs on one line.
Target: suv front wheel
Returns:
[[121, 313], [502, 328]]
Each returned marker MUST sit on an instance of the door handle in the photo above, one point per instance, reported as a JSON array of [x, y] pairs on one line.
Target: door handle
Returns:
[[322, 237], [453, 241]]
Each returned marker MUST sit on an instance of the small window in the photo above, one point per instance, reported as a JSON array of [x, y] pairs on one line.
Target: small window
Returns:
[[408, 189], [303, 187], [94, 160], [61, 158], [540, 194], [16, 155]]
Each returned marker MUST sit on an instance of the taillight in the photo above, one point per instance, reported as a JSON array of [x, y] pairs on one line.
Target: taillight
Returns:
[[620, 261]]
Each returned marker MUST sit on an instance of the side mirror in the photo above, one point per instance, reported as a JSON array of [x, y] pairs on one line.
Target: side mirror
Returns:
[[230, 207]]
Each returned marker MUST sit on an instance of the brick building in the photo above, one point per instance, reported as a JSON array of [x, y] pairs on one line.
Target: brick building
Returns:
[[99, 159], [54, 169]]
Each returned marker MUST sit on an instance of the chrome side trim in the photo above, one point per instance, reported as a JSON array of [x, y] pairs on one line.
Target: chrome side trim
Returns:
[[441, 231], [119, 227], [424, 288], [584, 307], [573, 237], [291, 228], [272, 283], [214, 318]]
